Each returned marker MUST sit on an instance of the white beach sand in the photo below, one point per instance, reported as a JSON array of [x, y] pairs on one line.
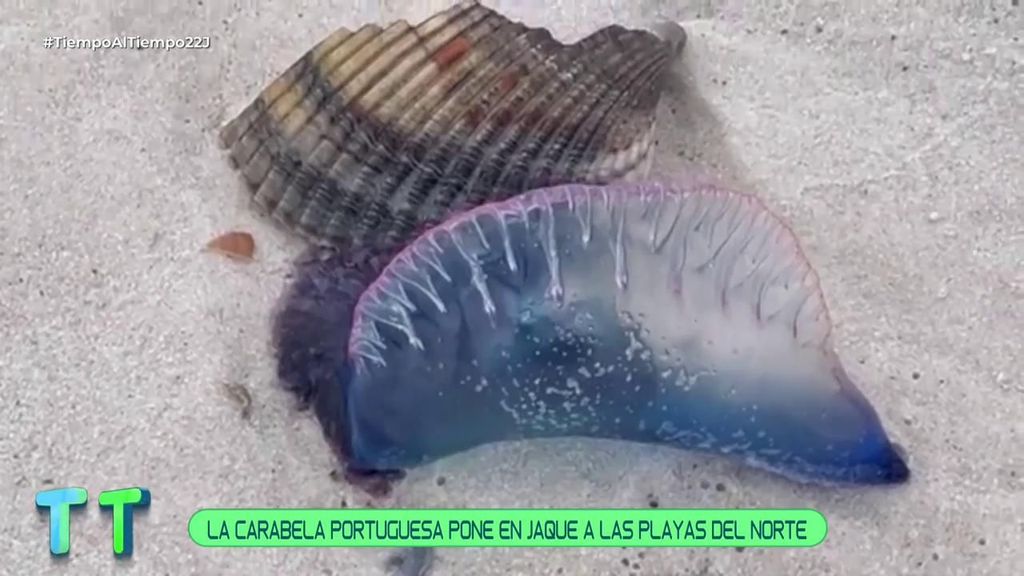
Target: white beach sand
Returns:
[[889, 134]]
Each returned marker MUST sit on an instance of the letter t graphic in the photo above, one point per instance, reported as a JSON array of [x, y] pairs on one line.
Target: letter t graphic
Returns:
[[60, 501], [121, 503]]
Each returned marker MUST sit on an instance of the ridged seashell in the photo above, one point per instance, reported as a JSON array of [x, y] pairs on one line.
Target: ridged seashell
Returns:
[[678, 315], [375, 134]]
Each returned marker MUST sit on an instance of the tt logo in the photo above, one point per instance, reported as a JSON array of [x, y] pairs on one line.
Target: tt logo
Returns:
[[120, 503]]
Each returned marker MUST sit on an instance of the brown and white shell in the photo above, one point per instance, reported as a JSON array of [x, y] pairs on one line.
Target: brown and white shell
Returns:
[[375, 134]]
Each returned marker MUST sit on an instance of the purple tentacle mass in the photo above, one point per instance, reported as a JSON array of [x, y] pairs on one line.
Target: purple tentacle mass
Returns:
[[676, 315]]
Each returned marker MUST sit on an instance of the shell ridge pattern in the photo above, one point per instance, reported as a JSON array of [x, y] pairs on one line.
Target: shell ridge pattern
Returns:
[[309, 130], [559, 137], [512, 53], [364, 137], [279, 136], [524, 98], [598, 124], [386, 91], [282, 90], [572, 148], [523, 141], [373, 135], [450, 25], [410, 191], [462, 170], [566, 94], [285, 163], [465, 84]]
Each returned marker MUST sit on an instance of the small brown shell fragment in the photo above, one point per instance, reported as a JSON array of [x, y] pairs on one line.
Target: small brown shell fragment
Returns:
[[234, 245], [377, 133], [239, 394]]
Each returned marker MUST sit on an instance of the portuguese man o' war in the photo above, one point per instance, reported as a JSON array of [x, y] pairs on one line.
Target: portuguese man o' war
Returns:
[[376, 134], [684, 316]]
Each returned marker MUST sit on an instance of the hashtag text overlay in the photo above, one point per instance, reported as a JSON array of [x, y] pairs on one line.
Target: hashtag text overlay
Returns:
[[127, 43]]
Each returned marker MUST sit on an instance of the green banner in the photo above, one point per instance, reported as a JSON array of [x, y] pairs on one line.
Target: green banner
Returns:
[[257, 528]]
